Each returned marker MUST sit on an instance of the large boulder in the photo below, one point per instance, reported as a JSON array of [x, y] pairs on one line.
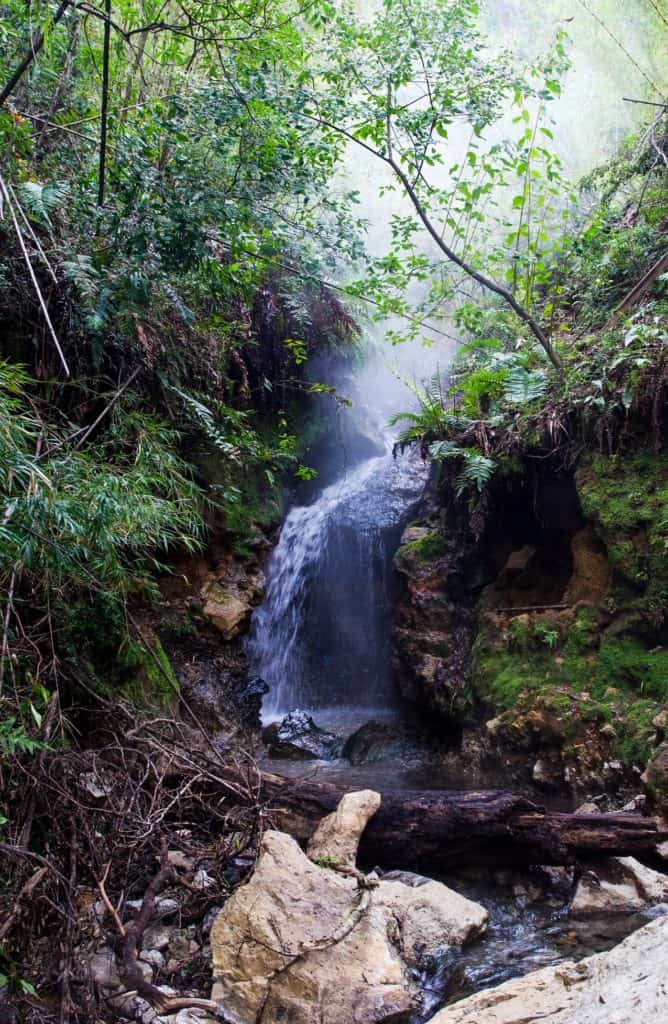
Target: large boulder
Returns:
[[338, 834], [618, 885], [225, 610], [375, 742], [298, 737], [306, 944], [625, 986]]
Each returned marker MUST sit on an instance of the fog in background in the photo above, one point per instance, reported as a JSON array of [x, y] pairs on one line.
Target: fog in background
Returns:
[[590, 119]]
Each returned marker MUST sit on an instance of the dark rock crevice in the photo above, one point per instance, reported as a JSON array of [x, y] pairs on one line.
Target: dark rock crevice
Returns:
[[516, 620]]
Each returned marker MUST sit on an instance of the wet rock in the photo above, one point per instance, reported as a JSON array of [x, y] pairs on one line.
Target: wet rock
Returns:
[[588, 807], [153, 957], [637, 804], [385, 741], [432, 637], [94, 785], [409, 878], [619, 885], [130, 1006], [167, 907], [207, 922], [431, 918], [249, 699], [554, 880], [181, 948], [202, 880], [273, 944], [179, 860], [627, 985], [157, 936], [298, 736], [337, 836], [191, 1016], [548, 772]]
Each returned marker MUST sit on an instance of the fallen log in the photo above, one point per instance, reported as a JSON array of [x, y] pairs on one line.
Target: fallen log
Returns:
[[439, 829]]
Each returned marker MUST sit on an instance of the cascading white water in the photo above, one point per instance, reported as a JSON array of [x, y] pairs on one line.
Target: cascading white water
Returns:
[[321, 637]]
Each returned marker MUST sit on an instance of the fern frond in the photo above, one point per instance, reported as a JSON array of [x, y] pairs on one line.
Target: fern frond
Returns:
[[83, 275], [204, 417], [39, 201], [476, 472], [524, 386]]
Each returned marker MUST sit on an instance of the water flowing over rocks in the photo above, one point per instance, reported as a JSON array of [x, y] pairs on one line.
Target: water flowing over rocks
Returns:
[[628, 985], [313, 945], [318, 639]]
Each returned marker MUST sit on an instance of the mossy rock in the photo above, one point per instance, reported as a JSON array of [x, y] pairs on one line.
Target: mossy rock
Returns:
[[578, 672], [147, 679], [429, 546], [626, 497], [656, 779]]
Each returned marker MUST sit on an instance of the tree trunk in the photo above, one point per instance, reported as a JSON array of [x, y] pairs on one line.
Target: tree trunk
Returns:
[[435, 830]]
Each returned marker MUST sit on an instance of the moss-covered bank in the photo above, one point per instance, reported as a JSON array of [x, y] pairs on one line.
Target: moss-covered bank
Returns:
[[564, 652]]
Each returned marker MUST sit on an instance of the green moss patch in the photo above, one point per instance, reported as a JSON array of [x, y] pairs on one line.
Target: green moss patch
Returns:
[[424, 549], [626, 497], [577, 672], [146, 680]]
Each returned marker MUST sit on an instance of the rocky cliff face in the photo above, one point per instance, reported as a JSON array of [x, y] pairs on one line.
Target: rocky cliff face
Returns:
[[549, 626], [201, 622]]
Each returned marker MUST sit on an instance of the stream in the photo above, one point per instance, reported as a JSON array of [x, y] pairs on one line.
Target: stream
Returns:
[[321, 640]]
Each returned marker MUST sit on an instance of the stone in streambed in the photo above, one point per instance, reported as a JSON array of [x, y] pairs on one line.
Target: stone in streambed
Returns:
[[618, 885], [625, 986], [298, 737], [337, 836], [375, 741], [265, 966]]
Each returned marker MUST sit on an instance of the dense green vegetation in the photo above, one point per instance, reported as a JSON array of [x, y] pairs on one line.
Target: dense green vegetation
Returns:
[[169, 223], [183, 275], [165, 229], [611, 360], [602, 419]]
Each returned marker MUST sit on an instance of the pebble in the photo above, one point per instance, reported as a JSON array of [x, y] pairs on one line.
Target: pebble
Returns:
[[157, 936], [167, 908], [153, 957]]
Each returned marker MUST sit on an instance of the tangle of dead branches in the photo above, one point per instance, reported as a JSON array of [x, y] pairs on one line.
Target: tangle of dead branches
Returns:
[[123, 820]]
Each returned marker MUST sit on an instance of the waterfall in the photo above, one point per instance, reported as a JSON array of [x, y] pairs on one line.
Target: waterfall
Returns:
[[321, 638]]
